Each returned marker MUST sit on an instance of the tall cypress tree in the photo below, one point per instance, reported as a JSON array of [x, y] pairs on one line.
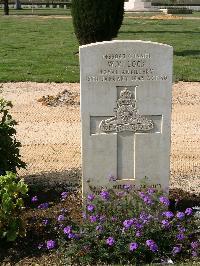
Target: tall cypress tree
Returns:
[[97, 20], [6, 8]]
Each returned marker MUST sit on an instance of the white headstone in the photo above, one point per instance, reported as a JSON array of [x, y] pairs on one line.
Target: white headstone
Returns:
[[138, 5], [126, 113]]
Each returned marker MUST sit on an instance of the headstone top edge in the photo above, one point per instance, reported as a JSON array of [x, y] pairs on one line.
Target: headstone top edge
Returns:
[[124, 41]]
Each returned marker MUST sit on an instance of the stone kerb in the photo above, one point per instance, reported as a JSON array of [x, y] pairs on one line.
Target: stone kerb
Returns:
[[125, 113]]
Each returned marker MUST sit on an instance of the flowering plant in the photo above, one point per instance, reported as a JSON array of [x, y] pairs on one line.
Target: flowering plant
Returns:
[[129, 227]]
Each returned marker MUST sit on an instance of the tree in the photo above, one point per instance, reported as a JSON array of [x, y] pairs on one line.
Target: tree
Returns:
[[97, 20], [6, 8]]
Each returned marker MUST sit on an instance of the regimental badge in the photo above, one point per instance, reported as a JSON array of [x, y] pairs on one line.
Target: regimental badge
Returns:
[[126, 116]]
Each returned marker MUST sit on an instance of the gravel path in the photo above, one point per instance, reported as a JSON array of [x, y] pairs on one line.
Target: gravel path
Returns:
[[50, 136]]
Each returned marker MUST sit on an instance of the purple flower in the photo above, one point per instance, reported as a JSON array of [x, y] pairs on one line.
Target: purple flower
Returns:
[[133, 246], [150, 191], [113, 219], [84, 215], [144, 217], [142, 194], [67, 230], [64, 195], [61, 218], [120, 193], [110, 241], [181, 229], [164, 200], [112, 178], [168, 214], [43, 205], [194, 253], [34, 199], [51, 244], [180, 236], [188, 211], [180, 215], [104, 195], [147, 200], [194, 245], [45, 222], [93, 219], [138, 225], [128, 223], [165, 223], [71, 235], [127, 187], [152, 245], [176, 250], [138, 233], [149, 242], [99, 228], [90, 208], [102, 218], [90, 197]]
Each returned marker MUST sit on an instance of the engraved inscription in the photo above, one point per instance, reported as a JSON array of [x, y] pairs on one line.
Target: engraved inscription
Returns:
[[127, 67], [126, 116], [96, 190]]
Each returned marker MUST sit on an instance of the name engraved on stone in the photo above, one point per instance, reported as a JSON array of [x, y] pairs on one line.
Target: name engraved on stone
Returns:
[[126, 116]]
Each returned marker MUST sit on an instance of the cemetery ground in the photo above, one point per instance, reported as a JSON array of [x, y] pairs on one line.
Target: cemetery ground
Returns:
[[52, 145], [33, 50]]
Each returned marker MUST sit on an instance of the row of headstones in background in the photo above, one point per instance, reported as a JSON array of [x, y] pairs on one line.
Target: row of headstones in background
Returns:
[[136, 5], [146, 5], [163, 8], [126, 89], [29, 6]]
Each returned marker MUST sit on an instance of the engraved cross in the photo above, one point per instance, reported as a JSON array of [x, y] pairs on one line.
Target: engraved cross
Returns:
[[126, 123]]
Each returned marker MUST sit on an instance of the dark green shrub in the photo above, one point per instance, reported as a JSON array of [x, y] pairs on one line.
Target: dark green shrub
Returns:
[[97, 20], [12, 189], [9, 146]]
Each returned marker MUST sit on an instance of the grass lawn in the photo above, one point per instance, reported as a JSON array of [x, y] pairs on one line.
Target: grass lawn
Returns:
[[39, 11], [45, 49]]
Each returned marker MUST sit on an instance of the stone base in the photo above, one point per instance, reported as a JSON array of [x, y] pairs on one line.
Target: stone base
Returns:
[[152, 9]]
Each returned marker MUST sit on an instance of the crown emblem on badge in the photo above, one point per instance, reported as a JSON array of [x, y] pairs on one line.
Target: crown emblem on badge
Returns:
[[125, 94], [126, 116], [126, 98]]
